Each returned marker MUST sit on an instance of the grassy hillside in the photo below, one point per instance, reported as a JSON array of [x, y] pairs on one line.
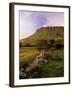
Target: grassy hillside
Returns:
[[44, 33]]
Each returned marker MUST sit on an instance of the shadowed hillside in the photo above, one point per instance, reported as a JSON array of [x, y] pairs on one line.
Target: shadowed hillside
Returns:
[[44, 33]]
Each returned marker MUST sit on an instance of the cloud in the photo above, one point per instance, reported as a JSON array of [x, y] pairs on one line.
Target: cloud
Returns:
[[31, 21]]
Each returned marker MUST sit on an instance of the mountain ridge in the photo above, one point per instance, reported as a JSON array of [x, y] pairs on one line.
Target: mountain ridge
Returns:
[[45, 33]]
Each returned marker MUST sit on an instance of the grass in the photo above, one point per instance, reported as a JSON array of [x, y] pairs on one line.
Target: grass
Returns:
[[54, 67], [28, 54]]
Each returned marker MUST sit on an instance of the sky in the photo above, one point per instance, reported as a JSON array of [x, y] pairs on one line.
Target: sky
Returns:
[[30, 21]]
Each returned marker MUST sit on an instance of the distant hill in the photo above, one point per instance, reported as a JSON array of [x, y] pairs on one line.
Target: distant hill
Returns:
[[45, 33]]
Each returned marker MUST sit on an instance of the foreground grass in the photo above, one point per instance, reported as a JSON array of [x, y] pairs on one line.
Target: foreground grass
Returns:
[[51, 69], [28, 54], [54, 67]]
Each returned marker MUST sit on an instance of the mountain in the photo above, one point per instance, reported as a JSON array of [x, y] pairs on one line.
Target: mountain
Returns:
[[44, 33]]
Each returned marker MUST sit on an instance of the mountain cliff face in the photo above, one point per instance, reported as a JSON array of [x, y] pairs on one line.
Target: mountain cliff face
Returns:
[[51, 29], [45, 33]]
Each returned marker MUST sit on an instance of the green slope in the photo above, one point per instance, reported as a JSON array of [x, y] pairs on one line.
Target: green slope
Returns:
[[45, 33]]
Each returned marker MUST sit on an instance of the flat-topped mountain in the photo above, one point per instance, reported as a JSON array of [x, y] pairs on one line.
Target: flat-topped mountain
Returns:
[[45, 33], [51, 29]]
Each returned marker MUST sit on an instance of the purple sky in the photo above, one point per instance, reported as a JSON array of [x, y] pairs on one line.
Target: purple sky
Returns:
[[30, 21]]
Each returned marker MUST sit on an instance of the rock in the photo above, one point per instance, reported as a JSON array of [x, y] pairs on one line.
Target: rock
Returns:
[[41, 60], [26, 70], [22, 74], [22, 69]]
